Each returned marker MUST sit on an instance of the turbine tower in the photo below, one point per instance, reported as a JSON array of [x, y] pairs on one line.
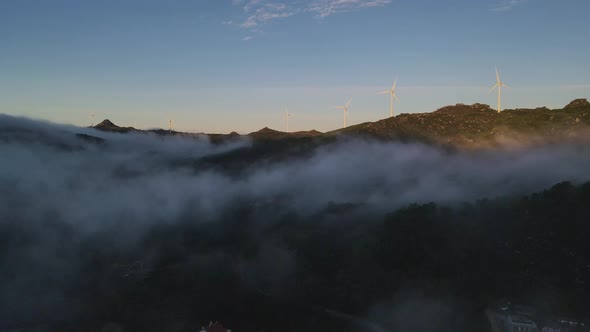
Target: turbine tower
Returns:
[[91, 119], [392, 95], [287, 116], [499, 85], [170, 122], [345, 108]]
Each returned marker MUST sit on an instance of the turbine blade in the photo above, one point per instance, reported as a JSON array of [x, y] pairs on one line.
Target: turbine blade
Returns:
[[394, 84], [382, 93], [493, 88], [395, 96], [497, 75], [505, 86], [348, 103]]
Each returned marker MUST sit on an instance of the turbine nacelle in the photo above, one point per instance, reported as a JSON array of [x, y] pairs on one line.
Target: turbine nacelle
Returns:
[[345, 109], [499, 84], [348, 102], [392, 96], [287, 116]]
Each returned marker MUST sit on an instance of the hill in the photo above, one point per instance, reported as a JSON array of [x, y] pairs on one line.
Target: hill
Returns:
[[262, 134], [267, 133], [467, 126], [107, 125], [478, 124]]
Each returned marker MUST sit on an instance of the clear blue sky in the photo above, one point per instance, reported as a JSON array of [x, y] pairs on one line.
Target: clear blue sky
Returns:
[[222, 65]]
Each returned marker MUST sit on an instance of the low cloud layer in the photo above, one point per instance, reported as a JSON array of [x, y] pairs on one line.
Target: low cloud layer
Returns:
[[133, 183], [150, 178]]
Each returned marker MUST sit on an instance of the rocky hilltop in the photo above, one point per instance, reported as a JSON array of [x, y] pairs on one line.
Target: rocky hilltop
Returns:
[[267, 133], [478, 124], [107, 125]]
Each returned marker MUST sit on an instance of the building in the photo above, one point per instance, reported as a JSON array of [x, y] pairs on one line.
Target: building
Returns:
[[214, 327], [503, 319], [563, 325]]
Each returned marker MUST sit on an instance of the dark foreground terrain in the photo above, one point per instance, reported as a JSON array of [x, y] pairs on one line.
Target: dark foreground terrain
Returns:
[[420, 268]]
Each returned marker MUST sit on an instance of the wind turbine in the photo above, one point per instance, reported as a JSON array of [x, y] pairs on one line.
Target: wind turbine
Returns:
[[499, 85], [392, 95], [170, 122], [287, 116], [91, 119], [345, 108]]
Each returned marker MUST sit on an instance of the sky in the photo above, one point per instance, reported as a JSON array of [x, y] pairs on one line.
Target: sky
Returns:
[[218, 66]]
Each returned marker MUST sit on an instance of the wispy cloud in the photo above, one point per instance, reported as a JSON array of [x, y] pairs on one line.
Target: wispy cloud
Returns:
[[506, 5], [247, 38], [325, 8], [264, 11]]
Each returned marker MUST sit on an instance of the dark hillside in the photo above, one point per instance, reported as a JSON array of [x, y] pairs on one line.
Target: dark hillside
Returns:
[[271, 134], [107, 125], [445, 263]]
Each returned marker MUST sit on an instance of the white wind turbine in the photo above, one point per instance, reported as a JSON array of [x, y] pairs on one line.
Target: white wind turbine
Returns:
[[287, 116], [392, 95], [91, 119], [345, 108], [170, 122], [499, 85]]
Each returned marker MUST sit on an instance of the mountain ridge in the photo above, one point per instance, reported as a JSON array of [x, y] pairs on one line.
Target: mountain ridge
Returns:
[[459, 125], [478, 124]]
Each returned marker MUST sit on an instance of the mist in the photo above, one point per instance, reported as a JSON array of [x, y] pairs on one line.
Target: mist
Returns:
[[61, 194], [150, 179]]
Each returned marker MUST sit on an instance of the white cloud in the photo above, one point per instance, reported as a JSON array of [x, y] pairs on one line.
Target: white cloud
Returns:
[[265, 11], [247, 38], [324, 8], [505, 5]]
